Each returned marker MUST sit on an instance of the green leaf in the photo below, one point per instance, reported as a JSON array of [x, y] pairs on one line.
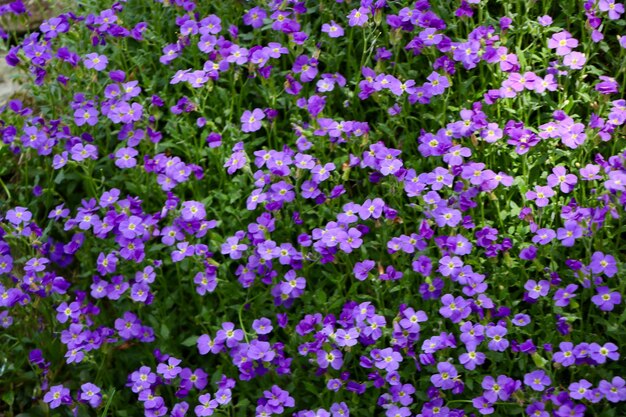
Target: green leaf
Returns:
[[8, 397], [190, 341]]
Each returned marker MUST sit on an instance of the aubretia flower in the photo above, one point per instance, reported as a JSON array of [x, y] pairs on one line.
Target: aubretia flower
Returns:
[[57, 395], [605, 299], [497, 343], [563, 295], [607, 85], [614, 9], [445, 377], [560, 177], [537, 380], [358, 17], [574, 60], [87, 115], [251, 120], [95, 61], [90, 393], [562, 42], [545, 20], [541, 195], [603, 264], [568, 234], [332, 29], [614, 391], [125, 158], [170, 369], [537, 289], [19, 215]]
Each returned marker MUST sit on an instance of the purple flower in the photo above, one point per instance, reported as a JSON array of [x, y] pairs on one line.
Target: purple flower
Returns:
[[251, 120], [497, 343], [607, 85], [334, 359], [87, 115], [541, 195], [545, 20], [605, 299], [207, 406], [445, 378], [566, 355], [560, 177], [262, 326], [563, 295], [332, 29], [170, 369], [537, 289], [19, 215], [358, 17], [57, 395], [603, 264], [537, 380], [229, 335], [362, 269], [579, 390], [90, 393], [614, 9], [614, 391], [125, 158], [568, 234], [95, 61], [562, 42]]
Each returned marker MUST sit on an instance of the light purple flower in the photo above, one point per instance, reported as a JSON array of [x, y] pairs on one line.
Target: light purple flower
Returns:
[[251, 120], [95, 61], [537, 380]]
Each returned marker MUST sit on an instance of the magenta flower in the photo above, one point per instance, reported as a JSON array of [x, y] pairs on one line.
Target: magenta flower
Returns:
[[95, 61], [251, 120]]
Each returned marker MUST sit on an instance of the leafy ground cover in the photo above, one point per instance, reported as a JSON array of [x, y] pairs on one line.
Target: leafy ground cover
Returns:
[[315, 208]]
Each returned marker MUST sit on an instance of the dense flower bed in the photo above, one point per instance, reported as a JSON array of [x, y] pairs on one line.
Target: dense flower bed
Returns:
[[315, 208]]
